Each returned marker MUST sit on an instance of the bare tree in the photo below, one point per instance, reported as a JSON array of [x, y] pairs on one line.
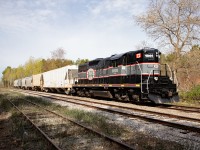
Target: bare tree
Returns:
[[1, 83], [143, 44], [172, 22], [58, 53]]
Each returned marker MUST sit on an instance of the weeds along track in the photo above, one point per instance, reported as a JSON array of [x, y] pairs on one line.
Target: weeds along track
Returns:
[[65, 133], [189, 124]]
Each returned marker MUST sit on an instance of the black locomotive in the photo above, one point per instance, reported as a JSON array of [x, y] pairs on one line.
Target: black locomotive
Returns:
[[131, 76]]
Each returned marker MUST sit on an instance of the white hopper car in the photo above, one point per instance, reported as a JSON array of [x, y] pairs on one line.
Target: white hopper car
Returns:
[[60, 79]]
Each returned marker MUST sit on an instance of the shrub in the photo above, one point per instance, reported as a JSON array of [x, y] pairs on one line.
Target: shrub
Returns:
[[192, 95]]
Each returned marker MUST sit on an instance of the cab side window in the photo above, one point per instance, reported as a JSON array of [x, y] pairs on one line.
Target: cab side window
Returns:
[[130, 58], [124, 60], [114, 63]]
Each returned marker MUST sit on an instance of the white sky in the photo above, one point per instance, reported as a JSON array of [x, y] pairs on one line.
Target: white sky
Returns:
[[84, 28]]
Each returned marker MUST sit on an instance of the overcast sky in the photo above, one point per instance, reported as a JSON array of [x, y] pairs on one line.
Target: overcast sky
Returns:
[[84, 28]]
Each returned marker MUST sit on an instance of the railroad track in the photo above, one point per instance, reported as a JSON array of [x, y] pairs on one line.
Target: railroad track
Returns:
[[181, 108], [56, 96], [190, 109], [41, 113], [50, 144], [162, 106], [176, 121]]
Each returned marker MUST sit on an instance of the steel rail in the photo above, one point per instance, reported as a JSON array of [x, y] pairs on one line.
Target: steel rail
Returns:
[[45, 136], [179, 107]]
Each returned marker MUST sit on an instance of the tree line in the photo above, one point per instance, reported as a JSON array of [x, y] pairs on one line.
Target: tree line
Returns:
[[187, 68], [37, 65]]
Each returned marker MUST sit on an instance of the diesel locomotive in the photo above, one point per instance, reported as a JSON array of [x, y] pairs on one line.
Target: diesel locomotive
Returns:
[[131, 76]]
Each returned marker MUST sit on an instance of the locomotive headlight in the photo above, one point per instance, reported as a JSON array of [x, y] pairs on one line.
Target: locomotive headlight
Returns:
[[156, 78], [155, 66]]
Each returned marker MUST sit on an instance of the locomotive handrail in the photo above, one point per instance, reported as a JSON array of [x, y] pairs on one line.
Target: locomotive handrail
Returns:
[[140, 75], [148, 81]]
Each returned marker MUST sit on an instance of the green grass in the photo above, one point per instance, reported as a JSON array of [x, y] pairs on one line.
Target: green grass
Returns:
[[96, 121], [38, 100], [5, 105], [192, 96]]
